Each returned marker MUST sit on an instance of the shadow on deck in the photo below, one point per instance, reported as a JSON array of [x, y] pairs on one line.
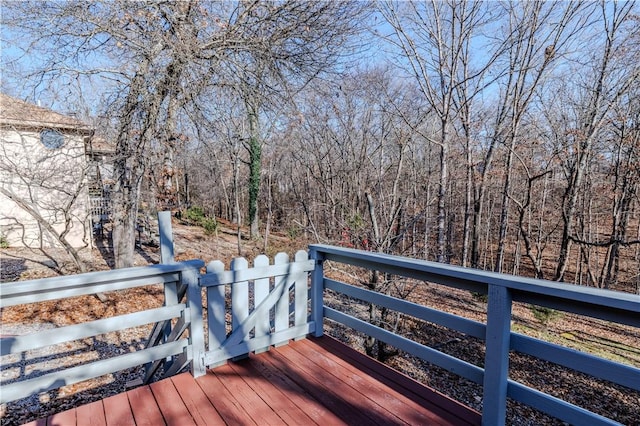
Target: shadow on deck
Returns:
[[311, 381]]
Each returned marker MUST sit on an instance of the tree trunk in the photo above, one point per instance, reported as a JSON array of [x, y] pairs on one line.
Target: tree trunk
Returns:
[[254, 185], [468, 205], [443, 256], [593, 118], [125, 214], [124, 231], [504, 210], [255, 166]]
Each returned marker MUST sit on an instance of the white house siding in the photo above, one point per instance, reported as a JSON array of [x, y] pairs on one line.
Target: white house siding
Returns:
[[50, 183]]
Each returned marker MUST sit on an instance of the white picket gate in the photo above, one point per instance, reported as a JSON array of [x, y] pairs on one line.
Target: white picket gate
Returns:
[[251, 309]]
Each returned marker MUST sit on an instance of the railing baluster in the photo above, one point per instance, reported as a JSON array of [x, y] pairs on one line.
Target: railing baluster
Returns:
[[216, 308], [301, 293], [239, 294], [171, 290], [196, 330], [261, 292], [317, 291], [496, 363], [282, 306], [239, 297]]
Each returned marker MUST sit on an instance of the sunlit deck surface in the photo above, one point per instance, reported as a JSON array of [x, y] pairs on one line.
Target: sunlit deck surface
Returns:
[[311, 381]]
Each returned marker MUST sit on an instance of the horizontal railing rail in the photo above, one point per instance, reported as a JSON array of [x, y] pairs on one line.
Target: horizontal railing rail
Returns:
[[47, 289], [44, 289], [499, 340], [450, 363]]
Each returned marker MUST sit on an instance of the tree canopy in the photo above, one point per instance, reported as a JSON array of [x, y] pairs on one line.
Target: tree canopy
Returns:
[[498, 135]]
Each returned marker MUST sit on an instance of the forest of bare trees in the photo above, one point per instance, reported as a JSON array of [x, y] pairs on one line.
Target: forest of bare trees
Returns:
[[495, 135]]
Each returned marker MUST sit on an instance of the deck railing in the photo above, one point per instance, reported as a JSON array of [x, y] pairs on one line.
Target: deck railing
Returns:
[[174, 349], [501, 291], [250, 309]]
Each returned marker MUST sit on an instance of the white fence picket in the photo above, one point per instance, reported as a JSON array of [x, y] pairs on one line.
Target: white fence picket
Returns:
[[261, 291], [216, 308], [239, 294], [281, 320], [276, 291]]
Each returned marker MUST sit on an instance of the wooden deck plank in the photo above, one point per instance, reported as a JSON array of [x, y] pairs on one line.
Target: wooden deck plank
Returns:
[[144, 407], [311, 381], [272, 396], [91, 414], [390, 400], [196, 401], [314, 387], [335, 393], [423, 395], [224, 402], [39, 422], [388, 404], [117, 410], [173, 410], [300, 397], [252, 403]]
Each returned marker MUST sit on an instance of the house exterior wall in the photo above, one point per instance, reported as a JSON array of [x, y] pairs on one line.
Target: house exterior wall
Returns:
[[45, 183]]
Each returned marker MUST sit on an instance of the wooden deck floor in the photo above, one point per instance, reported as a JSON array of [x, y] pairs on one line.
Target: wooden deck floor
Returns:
[[312, 381]]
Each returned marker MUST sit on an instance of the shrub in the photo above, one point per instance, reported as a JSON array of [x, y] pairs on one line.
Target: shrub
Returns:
[[293, 232], [194, 214], [3, 242], [480, 297], [356, 222], [544, 315], [210, 225]]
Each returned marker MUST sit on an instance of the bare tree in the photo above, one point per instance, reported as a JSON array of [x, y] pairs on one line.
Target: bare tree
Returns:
[[610, 80], [435, 39], [616, 170], [293, 47], [166, 54], [534, 48]]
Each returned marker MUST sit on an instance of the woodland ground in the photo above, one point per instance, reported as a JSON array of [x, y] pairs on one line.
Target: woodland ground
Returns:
[[613, 341]]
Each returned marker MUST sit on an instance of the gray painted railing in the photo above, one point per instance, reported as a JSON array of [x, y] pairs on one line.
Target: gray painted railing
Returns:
[[251, 309], [175, 347], [268, 305], [502, 290]]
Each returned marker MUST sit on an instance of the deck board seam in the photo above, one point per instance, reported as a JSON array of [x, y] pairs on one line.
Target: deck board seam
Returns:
[[270, 394], [397, 396], [434, 401], [373, 410]]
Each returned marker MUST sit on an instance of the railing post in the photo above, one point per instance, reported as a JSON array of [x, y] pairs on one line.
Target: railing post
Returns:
[[496, 361], [166, 237], [317, 291], [171, 290], [196, 329]]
